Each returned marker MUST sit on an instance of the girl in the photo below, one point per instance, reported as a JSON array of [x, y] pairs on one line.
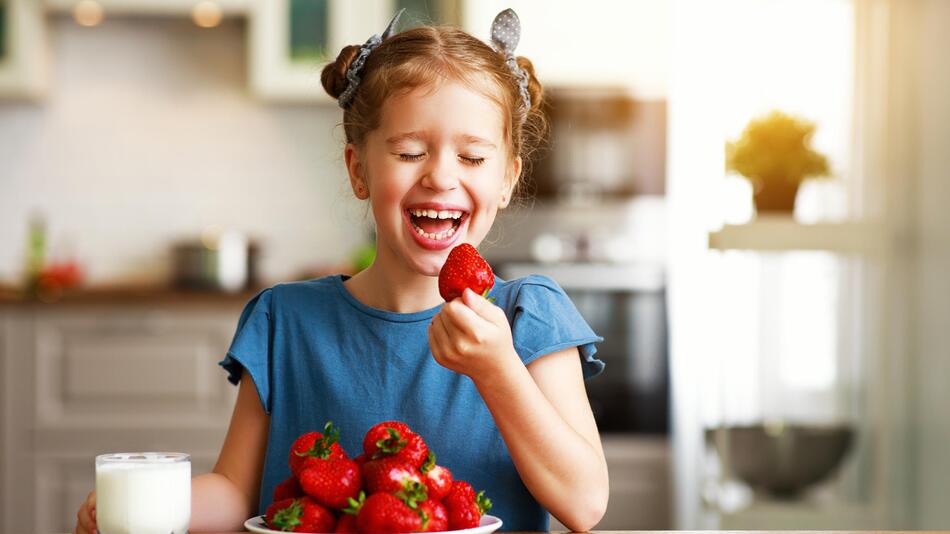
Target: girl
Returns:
[[437, 126]]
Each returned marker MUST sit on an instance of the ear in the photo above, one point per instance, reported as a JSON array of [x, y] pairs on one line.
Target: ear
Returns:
[[509, 186], [356, 170]]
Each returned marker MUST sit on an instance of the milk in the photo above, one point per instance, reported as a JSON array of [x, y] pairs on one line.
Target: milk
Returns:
[[143, 493]]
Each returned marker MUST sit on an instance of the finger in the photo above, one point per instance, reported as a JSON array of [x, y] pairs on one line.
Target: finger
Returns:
[[438, 339], [86, 523], [480, 305], [444, 330], [463, 318]]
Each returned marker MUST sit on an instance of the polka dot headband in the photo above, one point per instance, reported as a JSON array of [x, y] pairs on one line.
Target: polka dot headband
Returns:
[[505, 34]]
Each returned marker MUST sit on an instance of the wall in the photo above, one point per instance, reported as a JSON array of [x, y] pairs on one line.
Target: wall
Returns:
[[932, 309], [149, 135]]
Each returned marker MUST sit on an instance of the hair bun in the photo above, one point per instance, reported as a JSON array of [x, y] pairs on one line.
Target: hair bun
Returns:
[[333, 76], [535, 90]]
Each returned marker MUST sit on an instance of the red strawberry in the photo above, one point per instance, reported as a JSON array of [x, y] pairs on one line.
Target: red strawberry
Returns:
[[315, 445], [299, 515], [388, 475], [392, 513], [464, 507], [361, 459], [438, 479], [331, 482], [347, 522], [288, 489], [436, 515], [395, 440], [465, 268], [380, 431], [384, 513]]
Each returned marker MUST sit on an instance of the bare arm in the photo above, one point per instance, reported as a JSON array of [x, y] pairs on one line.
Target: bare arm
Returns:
[[546, 421], [223, 499]]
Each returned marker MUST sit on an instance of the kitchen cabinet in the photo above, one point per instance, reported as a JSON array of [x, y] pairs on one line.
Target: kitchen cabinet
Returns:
[[640, 490], [82, 380], [286, 57], [22, 54]]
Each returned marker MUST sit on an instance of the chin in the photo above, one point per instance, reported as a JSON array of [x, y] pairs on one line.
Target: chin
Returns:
[[429, 266]]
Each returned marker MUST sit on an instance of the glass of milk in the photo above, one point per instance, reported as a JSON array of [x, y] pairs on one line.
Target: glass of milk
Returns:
[[143, 493]]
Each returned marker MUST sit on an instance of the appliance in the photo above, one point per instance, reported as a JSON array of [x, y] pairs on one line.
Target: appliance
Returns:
[[782, 459], [225, 262], [604, 143], [626, 305]]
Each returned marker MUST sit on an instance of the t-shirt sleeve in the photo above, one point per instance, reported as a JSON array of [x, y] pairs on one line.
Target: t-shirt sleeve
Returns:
[[544, 321], [251, 347]]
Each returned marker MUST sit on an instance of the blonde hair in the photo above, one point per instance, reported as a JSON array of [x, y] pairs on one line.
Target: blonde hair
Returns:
[[428, 55]]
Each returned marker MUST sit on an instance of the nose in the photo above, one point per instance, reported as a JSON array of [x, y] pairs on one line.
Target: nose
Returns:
[[442, 173]]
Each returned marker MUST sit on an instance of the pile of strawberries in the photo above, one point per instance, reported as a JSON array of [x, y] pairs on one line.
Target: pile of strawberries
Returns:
[[395, 486]]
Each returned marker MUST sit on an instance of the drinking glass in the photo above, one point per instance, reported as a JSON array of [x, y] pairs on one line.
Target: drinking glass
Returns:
[[143, 493]]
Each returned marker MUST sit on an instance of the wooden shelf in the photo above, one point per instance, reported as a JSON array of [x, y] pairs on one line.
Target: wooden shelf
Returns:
[[782, 234]]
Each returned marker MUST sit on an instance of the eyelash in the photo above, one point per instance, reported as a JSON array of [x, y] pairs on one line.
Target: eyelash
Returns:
[[417, 157]]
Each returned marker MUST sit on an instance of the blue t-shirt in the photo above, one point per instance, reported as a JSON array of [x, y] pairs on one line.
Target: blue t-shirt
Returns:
[[317, 354]]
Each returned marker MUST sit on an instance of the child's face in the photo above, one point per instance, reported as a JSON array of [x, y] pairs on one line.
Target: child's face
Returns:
[[436, 152]]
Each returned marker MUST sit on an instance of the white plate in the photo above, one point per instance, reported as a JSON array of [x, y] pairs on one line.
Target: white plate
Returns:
[[489, 523]]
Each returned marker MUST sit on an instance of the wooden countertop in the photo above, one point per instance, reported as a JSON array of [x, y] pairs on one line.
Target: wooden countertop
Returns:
[[145, 295]]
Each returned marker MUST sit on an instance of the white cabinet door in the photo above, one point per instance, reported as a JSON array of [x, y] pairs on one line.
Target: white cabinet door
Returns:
[[640, 494], [275, 76], [23, 66], [78, 382]]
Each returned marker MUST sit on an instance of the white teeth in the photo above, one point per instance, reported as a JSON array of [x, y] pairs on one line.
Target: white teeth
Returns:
[[441, 235], [434, 214]]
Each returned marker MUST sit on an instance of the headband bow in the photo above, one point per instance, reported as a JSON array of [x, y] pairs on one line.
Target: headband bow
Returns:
[[505, 34], [353, 72]]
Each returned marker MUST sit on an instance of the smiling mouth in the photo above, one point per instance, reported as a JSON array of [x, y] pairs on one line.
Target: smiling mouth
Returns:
[[435, 224]]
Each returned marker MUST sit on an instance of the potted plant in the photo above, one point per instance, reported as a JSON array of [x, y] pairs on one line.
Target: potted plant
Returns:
[[775, 155]]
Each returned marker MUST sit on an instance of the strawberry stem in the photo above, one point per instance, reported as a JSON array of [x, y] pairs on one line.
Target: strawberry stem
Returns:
[[483, 502], [429, 463], [412, 493], [322, 446], [390, 445], [288, 518], [355, 504]]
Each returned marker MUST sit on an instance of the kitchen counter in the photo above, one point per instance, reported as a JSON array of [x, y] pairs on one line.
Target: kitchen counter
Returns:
[[145, 295]]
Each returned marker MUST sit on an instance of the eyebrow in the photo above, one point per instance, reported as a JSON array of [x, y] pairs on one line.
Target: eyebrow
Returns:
[[405, 136], [467, 139]]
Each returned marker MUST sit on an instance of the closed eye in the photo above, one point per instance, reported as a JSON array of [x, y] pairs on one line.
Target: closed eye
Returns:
[[473, 161], [411, 157]]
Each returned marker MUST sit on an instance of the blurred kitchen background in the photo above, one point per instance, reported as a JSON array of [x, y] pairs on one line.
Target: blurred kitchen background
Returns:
[[161, 160]]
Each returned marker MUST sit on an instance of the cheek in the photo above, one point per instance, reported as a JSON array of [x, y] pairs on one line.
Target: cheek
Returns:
[[490, 188]]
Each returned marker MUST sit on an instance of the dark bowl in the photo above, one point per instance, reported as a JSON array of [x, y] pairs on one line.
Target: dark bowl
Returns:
[[781, 459]]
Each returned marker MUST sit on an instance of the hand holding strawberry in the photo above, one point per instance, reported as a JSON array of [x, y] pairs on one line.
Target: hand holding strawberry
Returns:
[[471, 336]]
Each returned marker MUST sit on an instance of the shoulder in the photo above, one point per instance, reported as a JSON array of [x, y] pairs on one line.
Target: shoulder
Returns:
[[292, 294], [529, 291]]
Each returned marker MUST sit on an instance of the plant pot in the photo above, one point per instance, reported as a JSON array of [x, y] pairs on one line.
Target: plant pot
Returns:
[[775, 195]]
